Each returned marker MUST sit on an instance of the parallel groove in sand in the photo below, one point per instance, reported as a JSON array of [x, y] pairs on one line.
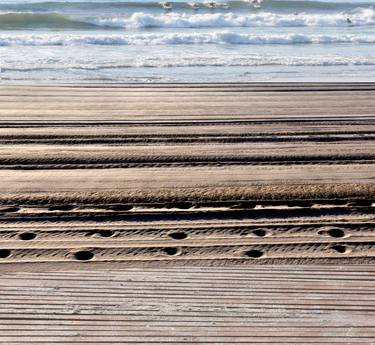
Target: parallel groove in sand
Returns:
[[281, 171], [278, 305]]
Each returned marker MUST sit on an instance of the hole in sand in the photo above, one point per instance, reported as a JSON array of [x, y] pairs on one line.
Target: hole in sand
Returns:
[[178, 235], [337, 233], [170, 251], [27, 236], [4, 253], [105, 233], [61, 208], [83, 255], [340, 248], [254, 253], [260, 232]]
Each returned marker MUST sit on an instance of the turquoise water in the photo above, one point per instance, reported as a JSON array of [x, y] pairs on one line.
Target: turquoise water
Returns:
[[139, 41]]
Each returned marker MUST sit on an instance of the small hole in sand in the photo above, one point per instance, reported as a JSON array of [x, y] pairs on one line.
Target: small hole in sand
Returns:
[[260, 232], [340, 248], [337, 233], [4, 253], [27, 236], [171, 251], [105, 233], [83, 255], [178, 235], [254, 253]]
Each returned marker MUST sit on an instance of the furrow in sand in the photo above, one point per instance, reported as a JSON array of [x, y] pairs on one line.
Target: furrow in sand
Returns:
[[187, 173]]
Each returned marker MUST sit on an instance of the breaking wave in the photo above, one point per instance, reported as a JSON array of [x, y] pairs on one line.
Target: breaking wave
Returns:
[[179, 38], [359, 17]]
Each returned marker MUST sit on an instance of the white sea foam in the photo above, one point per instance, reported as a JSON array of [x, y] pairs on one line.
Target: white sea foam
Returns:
[[221, 37], [189, 60]]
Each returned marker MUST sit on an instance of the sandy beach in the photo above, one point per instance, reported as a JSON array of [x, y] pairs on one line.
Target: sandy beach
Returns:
[[187, 214], [194, 174], [187, 173]]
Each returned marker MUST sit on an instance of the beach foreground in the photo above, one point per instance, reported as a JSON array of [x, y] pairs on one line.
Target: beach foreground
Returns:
[[187, 214]]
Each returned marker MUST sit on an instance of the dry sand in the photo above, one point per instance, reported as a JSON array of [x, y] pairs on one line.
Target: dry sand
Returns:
[[177, 174], [187, 214]]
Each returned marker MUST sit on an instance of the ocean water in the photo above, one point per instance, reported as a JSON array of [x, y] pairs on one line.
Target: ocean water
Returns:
[[111, 41]]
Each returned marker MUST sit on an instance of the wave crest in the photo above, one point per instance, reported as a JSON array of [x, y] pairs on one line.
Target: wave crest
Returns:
[[359, 17]]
